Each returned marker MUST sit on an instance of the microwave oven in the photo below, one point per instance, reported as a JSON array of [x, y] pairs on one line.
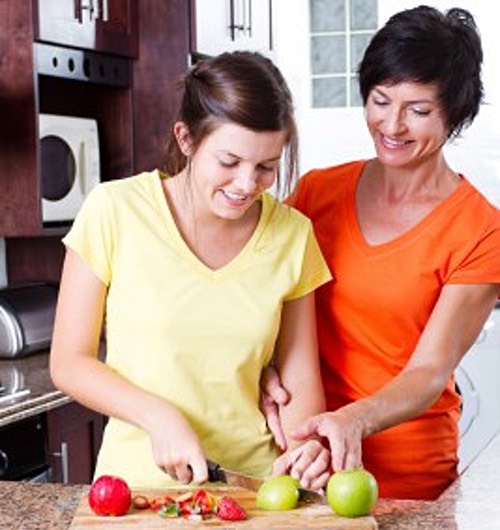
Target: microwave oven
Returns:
[[69, 164]]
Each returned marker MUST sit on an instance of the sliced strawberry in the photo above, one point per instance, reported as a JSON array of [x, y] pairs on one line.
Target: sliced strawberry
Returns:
[[204, 501], [229, 510], [157, 502]]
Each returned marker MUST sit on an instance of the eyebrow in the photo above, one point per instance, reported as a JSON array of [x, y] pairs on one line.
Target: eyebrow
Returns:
[[228, 153], [411, 102]]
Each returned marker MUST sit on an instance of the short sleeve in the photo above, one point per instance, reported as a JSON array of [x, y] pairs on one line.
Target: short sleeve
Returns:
[[314, 271], [91, 235], [482, 263]]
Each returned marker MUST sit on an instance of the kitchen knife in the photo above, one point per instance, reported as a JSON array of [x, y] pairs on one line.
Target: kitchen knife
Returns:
[[216, 473]]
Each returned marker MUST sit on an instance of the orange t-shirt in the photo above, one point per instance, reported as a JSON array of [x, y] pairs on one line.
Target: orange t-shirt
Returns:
[[371, 316]]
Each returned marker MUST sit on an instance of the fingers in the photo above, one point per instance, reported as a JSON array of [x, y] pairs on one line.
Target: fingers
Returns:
[[282, 464], [312, 465], [271, 412], [271, 385], [343, 432], [309, 463]]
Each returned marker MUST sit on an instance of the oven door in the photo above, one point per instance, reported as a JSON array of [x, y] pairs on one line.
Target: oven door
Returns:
[[23, 454]]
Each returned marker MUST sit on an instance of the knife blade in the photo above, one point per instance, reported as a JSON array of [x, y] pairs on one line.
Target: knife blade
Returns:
[[217, 473]]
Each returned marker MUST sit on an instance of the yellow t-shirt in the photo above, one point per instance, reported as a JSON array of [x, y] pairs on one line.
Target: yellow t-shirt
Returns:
[[197, 337]]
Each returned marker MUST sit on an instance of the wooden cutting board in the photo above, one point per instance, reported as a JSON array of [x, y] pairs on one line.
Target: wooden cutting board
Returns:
[[311, 516]]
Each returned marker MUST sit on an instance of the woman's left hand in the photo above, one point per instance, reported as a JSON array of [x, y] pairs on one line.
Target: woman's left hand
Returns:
[[309, 463]]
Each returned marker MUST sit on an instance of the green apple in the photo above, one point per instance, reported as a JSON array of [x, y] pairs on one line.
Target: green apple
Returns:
[[352, 493], [278, 493]]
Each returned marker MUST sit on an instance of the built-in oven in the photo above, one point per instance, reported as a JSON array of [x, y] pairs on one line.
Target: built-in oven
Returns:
[[23, 454]]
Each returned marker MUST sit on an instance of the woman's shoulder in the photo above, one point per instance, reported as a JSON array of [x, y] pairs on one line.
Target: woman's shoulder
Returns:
[[479, 206], [282, 214], [319, 176]]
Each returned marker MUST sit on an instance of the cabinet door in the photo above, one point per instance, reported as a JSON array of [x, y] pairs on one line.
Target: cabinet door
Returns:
[[108, 26], [229, 25], [74, 438]]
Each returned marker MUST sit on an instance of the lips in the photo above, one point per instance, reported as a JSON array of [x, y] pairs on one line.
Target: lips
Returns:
[[392, 143], [235, 199]]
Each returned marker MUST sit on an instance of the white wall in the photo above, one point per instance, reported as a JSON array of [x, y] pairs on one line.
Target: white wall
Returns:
[[331, 136]]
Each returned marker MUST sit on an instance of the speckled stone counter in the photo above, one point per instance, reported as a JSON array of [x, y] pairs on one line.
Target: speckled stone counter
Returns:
[[471, 503], [32, 375]]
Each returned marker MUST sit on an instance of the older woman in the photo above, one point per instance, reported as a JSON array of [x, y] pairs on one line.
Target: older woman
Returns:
[[415, 251]]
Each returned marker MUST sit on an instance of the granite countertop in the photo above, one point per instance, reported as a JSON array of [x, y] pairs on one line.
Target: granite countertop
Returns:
[[471, 503], [31, 375]]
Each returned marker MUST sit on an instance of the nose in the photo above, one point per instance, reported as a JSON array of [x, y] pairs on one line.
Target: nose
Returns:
[[247, 180], [394, 121]]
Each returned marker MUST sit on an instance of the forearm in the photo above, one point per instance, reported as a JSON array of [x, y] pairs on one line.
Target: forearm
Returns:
[[90, 382], [306, 400], [407, 396]]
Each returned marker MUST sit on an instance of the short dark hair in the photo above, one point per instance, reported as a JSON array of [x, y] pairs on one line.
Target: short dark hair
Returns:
[[426, 46], [244, 88]]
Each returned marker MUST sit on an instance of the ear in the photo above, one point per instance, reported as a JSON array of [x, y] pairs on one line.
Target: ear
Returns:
[[183, 137]]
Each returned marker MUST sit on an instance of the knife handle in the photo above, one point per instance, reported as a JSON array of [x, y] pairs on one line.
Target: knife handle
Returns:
[[214, 471]]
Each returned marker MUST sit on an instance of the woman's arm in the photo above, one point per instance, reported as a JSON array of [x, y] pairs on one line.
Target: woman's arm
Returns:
[[296, 358], [77, 371], [453, 326]]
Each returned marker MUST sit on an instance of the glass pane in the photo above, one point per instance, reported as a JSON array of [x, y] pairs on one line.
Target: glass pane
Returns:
[[356, 100], [364, 14], [359, 43], [329, 92], [328, 55], [327, 15]]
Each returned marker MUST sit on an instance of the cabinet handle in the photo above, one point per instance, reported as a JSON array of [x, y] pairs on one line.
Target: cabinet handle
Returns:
[[77, 5], [102, 10], [63, 455], [232, 26], [87, 7], [238, 17], [248, 20]]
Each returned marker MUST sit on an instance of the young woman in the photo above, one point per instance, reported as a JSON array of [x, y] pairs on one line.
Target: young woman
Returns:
[[202, 278], [415, 252]]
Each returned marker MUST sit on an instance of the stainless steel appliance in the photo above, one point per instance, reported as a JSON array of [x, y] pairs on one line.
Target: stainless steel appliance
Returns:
[[26, 319], [477, 380]]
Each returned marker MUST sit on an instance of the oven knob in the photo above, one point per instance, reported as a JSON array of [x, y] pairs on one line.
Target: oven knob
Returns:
[[4, 463]]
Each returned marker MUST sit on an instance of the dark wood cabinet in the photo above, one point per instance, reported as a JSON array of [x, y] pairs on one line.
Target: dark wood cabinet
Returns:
[[146, 39], [107, 26], [74, 435]]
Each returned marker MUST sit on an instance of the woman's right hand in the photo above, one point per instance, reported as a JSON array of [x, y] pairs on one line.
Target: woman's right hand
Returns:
[[176, 447], [344, 431]]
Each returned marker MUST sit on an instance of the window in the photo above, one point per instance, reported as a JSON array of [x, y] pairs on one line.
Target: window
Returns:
[[340, 32]]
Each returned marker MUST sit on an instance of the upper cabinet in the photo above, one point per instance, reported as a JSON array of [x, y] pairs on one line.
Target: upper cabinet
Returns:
[[228, 25], [108, 26], [112, 61]]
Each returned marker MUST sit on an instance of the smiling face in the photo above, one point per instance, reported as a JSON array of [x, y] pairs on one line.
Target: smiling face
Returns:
[[406, 123], [231, 167]]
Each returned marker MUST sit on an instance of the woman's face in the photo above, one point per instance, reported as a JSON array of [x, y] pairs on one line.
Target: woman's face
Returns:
[[406, 123], [232, 167]]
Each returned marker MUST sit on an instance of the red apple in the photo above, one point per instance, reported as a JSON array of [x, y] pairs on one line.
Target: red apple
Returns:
[[110, 495]]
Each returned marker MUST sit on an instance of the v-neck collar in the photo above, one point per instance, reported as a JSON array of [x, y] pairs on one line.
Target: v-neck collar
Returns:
[[185, 251], [409, 235]]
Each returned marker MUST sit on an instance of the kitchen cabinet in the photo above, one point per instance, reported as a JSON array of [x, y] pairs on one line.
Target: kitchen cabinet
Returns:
[[54, 76], [228, 25], [74, 435], [108, 26]]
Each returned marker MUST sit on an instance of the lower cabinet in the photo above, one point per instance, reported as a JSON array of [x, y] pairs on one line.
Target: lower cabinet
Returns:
[[74, 435]]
